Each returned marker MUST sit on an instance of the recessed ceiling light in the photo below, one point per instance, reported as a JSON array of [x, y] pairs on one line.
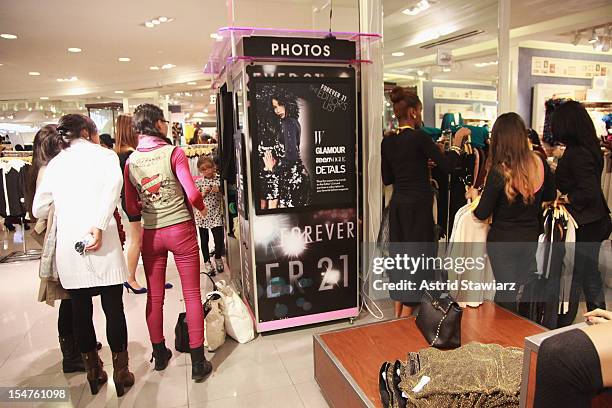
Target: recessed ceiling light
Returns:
[[44, 98], [8, 36], [168, 66], [124, 59], [74, 49], [163, 19], [155, 21], [192, 83], [206, 110], [149, 24], [71, 79], [420, 73], [398, 54], [154, 68], [446, 70], [34, 73], [118, 92], [420, 6]]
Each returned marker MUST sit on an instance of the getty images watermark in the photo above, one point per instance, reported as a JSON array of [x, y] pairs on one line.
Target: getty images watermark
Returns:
[[405, 265]]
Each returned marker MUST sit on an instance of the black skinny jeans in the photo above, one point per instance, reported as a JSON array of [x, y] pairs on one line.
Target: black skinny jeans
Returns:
[[112, 304], [568, 371], [587, 277], [219, 242]]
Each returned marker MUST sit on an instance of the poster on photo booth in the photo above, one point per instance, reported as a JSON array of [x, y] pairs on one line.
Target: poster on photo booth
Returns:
[[306, 263], [243, 211], [303, 128]]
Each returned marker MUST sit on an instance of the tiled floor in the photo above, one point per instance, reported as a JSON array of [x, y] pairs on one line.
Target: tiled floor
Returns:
[[274, 370]]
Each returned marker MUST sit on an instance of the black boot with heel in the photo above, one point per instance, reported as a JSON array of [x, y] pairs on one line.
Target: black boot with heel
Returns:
[[161, 355], [200, 367]]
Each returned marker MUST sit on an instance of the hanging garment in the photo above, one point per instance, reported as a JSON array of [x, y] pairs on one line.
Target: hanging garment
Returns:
[[475, 375], [555, 262], [12, 188], [468, 241]]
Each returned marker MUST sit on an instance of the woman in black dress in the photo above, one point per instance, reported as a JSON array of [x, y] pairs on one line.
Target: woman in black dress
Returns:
[[405, 158], [518, 181], [579, 179]]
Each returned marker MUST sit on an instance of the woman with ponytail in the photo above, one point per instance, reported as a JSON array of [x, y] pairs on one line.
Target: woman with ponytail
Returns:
[[405, 158]]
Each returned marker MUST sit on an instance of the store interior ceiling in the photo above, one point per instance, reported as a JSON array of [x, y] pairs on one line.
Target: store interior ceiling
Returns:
[[67, 54]]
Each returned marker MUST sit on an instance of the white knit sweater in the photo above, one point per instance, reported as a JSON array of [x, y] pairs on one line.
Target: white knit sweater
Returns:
[[84, 183]]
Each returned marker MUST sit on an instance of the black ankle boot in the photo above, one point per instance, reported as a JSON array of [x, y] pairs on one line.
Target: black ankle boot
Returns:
[[200, 367], [72, 361], [162, 356]]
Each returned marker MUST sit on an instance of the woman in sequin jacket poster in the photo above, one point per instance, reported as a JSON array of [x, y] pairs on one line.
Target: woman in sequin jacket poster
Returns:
[[286, 182]]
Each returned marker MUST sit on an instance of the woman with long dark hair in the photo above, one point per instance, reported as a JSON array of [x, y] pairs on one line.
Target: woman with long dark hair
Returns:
[[579, 180], [83, 183], [405, 158], [517, 183], [286, 178], [46, 145], [158, 185]]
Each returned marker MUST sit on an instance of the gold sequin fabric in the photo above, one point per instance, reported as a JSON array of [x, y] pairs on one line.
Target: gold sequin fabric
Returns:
[[475, 375]]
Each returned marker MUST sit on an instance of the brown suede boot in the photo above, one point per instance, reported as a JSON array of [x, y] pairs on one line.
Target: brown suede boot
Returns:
[[122, 377], [96, 375]]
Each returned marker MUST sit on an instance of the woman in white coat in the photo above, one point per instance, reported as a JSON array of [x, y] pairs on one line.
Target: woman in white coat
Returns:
[[83, 182]]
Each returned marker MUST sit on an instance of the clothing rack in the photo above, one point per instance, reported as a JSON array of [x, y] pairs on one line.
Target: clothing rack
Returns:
[[25, 254]]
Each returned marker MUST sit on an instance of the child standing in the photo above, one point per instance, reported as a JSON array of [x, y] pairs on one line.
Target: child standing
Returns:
[[208, 184]]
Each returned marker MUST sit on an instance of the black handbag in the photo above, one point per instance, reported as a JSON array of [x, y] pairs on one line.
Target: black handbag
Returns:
[[439, 320], [181, 331]]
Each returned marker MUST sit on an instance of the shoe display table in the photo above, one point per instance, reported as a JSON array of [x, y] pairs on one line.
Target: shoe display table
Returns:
[[347, 361]]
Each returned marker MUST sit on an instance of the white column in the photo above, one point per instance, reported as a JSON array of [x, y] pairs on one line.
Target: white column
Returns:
[[503, 56], [126, 105], [371, 21], [372, 99]]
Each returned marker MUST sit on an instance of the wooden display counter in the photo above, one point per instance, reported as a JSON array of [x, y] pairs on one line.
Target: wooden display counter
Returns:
[[347, 361]]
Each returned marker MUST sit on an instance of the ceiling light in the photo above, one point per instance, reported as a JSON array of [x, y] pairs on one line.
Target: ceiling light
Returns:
[[8, 36], [156, 21], [420, 6], [149, 24], [168, 66], [74, 49], [594, 37], [398, 54], [118, 92], [154, 68], [206, 110], [124, 59], [34, 73], [163, 19], [71, 79], [192, 83], [44, 98], [420, 73], [214, 36], [446, 69]]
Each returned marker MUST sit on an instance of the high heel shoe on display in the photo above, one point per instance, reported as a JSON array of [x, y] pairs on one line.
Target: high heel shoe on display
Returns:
[[128, 287]]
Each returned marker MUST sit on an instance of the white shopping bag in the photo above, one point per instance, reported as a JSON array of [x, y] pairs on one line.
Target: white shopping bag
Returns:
[[238, 322]]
